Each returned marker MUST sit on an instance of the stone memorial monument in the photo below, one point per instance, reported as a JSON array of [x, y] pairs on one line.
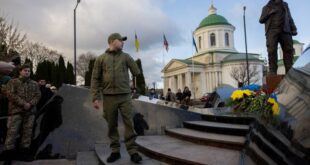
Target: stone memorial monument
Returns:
[[279, 28]]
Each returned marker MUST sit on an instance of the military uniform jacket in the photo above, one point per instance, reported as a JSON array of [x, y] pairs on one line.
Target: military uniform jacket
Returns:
[[110, 74], [21, 91]]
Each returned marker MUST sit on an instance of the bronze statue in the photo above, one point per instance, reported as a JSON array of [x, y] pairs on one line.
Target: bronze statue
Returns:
[[279, 27]]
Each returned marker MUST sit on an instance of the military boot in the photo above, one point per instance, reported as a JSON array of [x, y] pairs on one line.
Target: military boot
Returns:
[[26, 155], [113, 157], [8, 157], [136, 158]]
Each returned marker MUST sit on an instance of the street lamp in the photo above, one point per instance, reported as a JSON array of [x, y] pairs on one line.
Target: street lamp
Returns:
[[246, 47], [78, 1]]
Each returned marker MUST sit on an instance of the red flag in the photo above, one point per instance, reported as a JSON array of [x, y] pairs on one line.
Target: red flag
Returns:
[[166, 45]]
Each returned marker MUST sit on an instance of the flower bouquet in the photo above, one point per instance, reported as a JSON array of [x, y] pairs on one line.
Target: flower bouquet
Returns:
[[251, 99]]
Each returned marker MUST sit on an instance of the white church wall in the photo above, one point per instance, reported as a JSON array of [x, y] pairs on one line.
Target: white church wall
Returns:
[[219, 31], [281, 69], [201, 59], [176, 71], [218, 57], [227, 79], [260, 68], [196, 89], [298, 49]]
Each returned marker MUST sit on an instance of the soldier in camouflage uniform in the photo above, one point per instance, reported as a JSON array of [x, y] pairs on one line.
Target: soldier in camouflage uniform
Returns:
[[23, 94], [110, 77]]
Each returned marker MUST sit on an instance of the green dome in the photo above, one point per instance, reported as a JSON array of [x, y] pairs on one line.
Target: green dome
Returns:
[[213, 19]]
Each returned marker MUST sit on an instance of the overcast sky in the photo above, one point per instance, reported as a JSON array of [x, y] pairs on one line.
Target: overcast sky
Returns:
[[50, 22]]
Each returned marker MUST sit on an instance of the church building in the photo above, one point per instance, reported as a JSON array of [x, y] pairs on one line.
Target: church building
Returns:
[[215, 64]]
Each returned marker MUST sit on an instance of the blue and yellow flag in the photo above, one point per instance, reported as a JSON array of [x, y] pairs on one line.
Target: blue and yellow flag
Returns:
[[137, 44]]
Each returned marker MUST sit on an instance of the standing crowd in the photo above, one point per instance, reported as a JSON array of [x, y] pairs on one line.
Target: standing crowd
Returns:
[[180, 97]]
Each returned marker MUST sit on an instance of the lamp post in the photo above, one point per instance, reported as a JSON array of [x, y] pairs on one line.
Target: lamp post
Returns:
[[246, 47], [78, 1]]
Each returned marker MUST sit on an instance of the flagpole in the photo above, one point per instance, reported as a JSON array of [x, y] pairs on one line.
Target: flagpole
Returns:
[[136, 76], [163, 56], [193, 69], [138, 55], [137, 45], [165, 46]]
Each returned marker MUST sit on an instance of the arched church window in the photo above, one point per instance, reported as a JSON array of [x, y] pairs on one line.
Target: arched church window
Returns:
[[212, 39], [199, 42], [226, 39]]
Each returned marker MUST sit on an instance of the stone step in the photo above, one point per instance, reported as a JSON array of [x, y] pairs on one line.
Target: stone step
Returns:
[[247, 160], [87, 158], [175, 151], [103, 151], [258, 156], [46, 162], [279, 141], [206, 138], [216, 127], [229, 119], [268, 148]]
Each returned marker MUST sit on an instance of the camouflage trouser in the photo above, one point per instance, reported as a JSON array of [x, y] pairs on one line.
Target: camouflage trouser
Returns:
[[15, 123], [122, 103], [274, 37]]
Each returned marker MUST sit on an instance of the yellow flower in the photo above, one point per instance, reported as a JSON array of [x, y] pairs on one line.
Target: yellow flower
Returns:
[[275, 106], [238, 94], [248, 92]]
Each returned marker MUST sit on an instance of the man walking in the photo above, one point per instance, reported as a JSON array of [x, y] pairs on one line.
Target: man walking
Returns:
[[110, 77], [279, 27]]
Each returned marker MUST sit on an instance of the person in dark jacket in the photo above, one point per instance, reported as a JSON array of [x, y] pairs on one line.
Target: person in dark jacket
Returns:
[[279, 28], [153, 94], [134, 93], [140, 124], [46, 94], [178, 96], [51, 120], [210, 103], [170, 96], [3, 106], [186, 96]]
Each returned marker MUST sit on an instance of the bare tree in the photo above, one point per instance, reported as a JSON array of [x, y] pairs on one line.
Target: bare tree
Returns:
[[83, 62], [240, 74], [37, 53], [11, 40]]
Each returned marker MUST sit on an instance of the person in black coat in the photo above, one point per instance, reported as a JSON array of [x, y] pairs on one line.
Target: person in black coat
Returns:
[[186, 96], [51, 119], [140, 124], [178, 96], [46, 94]]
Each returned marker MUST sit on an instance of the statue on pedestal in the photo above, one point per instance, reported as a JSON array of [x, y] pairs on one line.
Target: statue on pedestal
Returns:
[[279, 28]]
